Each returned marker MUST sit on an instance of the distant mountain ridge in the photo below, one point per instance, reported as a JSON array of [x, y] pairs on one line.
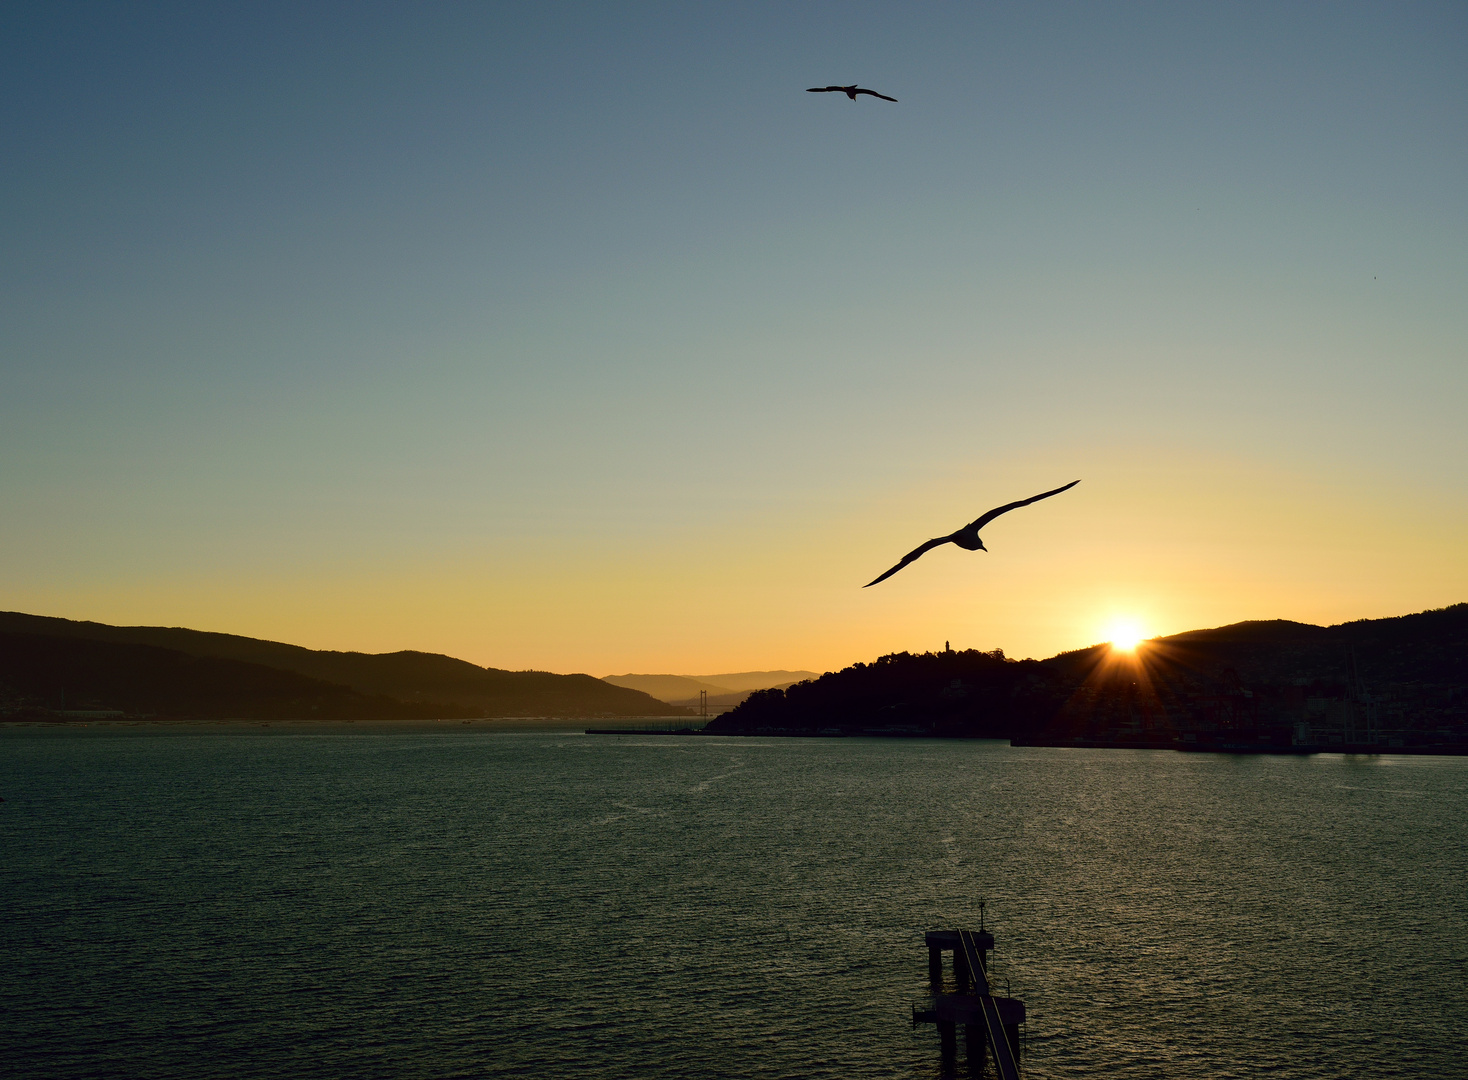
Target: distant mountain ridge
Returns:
[[383, 683], [724, 691]]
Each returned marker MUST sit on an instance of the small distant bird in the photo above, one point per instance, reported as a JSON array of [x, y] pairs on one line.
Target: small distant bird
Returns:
[[968, 536], [850, 91]]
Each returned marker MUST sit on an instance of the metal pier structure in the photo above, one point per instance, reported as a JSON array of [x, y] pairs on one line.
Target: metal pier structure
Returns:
[[991, 1024]]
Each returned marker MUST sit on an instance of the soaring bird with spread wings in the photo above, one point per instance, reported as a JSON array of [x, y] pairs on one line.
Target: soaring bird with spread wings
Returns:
[[850, 91], [968, 536]]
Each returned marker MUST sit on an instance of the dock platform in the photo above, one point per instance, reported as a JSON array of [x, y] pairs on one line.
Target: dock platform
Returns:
[[991, 1023]]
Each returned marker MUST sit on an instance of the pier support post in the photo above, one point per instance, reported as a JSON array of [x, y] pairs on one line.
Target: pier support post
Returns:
[[948, 1038], [935, 966], [960, 971], [976, 1046]]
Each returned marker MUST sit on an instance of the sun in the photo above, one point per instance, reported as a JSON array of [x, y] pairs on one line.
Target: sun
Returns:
[[1125, 635]]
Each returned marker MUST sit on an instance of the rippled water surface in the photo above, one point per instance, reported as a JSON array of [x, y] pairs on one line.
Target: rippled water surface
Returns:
[[401, 903]]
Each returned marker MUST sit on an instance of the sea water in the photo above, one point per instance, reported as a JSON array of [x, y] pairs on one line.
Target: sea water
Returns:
[[247, 902]]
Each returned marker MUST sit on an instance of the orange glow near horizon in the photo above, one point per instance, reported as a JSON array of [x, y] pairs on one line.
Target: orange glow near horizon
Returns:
[[782, 589]]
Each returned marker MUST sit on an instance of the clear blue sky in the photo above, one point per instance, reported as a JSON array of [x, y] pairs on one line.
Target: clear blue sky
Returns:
[[581, 337]]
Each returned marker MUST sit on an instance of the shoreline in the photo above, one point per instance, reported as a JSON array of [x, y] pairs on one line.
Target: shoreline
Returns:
[[199, 724], [1353, 749]]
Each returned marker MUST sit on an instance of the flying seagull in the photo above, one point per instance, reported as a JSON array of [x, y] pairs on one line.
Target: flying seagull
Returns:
[[850, 91], [968, 536]]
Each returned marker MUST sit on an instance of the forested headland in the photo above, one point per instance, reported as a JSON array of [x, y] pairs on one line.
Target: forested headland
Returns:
[[1389, 683]]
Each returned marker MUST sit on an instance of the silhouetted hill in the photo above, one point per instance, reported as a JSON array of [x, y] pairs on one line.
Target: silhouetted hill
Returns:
[[1401, 681], [430, 679], [967, 693], [41, 674], [1429, 646]]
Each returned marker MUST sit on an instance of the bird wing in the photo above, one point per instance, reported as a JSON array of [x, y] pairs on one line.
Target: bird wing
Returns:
[[825, 89], [1007, 507], [884, 97], [909, 557]]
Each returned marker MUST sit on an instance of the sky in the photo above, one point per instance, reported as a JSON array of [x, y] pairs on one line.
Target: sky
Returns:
[[582, 338]]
